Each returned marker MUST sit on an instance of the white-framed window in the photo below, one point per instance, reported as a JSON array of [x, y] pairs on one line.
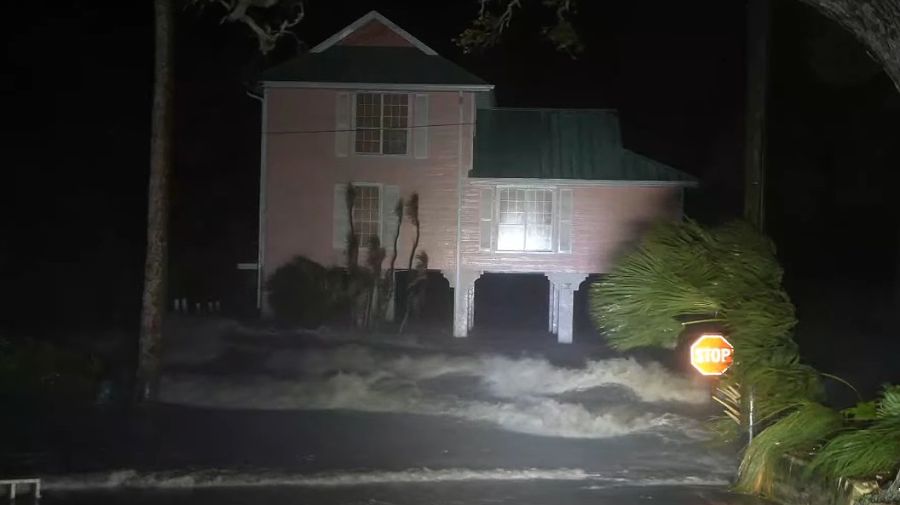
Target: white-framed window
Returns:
[[381, 121], [524, 219], [366, 213]]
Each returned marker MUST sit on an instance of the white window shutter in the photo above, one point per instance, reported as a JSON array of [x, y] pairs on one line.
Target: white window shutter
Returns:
[[565, 220], [420, 122], [389, 197], [342, 125], [339, 217], [486, 219]]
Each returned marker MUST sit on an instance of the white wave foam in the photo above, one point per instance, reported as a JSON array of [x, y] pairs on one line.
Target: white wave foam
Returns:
[[224, 478], [689, 480], [548, 417], [503, 376], [532, 415], [524, 395]]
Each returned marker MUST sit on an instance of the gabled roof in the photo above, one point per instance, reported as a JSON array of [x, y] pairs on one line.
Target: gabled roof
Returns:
[[336, 64], [561, 144], [363, 21], [373, 65]]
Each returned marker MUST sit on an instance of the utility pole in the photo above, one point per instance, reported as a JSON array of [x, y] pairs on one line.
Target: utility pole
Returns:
[[757, 54]]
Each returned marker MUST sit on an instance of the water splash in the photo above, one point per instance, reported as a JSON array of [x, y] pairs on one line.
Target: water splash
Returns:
[[504, 376], [225, 478], [521, 395]]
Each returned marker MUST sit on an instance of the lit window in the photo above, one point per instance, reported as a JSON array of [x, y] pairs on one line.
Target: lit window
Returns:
[[525, 220], [382, 123], [366, 214]]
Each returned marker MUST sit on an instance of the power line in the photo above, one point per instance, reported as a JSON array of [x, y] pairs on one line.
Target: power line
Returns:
[[300, 132]]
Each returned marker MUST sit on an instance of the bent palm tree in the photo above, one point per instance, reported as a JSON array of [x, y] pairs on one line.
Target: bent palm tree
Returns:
[[683, 274]]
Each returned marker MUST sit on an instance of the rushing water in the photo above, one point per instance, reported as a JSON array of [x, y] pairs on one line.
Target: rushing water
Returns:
[[354, 424]]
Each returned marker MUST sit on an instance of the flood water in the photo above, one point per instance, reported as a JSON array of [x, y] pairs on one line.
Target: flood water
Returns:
[[360, 424]]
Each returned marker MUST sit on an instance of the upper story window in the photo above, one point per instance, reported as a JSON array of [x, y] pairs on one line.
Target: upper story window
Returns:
[[382, 123], [525, 220]]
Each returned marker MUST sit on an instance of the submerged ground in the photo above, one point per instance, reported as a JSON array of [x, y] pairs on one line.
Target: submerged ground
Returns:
[[253, 416]]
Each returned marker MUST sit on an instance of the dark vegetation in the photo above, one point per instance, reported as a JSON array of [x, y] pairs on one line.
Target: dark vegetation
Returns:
[[684, 276], [45, 372], [301, 292], [307, 294]]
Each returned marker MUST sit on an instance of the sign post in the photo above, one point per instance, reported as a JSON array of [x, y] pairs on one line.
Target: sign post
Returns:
[[712, 354]]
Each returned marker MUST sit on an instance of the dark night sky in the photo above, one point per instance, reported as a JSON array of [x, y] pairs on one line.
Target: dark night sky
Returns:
[[77, 88]]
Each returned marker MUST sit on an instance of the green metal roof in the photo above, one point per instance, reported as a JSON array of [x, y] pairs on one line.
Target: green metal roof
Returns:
[[636, 167], [560, 144], [370, 64]]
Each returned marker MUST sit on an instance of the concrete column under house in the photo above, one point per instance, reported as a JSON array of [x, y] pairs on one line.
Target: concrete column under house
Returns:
[[562, 304], [463, 300]]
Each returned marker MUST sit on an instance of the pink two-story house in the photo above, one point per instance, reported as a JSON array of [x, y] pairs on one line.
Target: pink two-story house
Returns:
[[504, 190]]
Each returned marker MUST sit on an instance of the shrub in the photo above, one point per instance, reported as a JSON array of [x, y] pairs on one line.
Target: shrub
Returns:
[[299, 293], [29, 368]]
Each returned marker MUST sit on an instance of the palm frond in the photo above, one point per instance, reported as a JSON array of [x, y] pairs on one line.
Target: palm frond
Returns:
[[681, 270], [861, 453], [729, 397], [805, 427], [861, 412], [724, 429], [889, 405], [868, 451]]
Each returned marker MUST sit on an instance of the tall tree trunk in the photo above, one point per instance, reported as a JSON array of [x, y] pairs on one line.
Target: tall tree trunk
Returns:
[[154, 296], [875, 23], [757, 57]]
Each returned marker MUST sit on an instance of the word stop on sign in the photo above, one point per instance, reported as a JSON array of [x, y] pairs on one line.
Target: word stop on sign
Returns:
[[711, 354]]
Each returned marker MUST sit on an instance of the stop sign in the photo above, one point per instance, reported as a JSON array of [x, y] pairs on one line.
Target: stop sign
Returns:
[[711, 354]]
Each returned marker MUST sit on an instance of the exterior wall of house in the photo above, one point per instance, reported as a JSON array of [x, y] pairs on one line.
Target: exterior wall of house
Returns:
[[302, 169], [374, 33], [604, 220]]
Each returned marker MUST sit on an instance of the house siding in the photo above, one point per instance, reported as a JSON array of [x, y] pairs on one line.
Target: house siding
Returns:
[[605, 220], [374, 33], [302, 170]]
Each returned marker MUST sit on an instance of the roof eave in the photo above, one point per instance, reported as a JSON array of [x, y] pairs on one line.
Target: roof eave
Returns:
[[578, 182], [378, 86]]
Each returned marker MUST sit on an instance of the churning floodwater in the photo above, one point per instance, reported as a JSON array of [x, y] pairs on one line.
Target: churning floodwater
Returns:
[[362, 424]]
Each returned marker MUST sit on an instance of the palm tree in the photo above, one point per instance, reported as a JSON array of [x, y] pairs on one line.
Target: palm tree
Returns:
[[390, 280], [684, 275]]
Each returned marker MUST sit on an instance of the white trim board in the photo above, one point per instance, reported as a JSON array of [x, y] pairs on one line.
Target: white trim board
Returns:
[[374, 86], [359, 23], [510, 181], [263, 203]]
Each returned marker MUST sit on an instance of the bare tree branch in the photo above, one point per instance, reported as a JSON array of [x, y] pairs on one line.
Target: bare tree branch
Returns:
[[257, 16], [495, 16], [875, 23]]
